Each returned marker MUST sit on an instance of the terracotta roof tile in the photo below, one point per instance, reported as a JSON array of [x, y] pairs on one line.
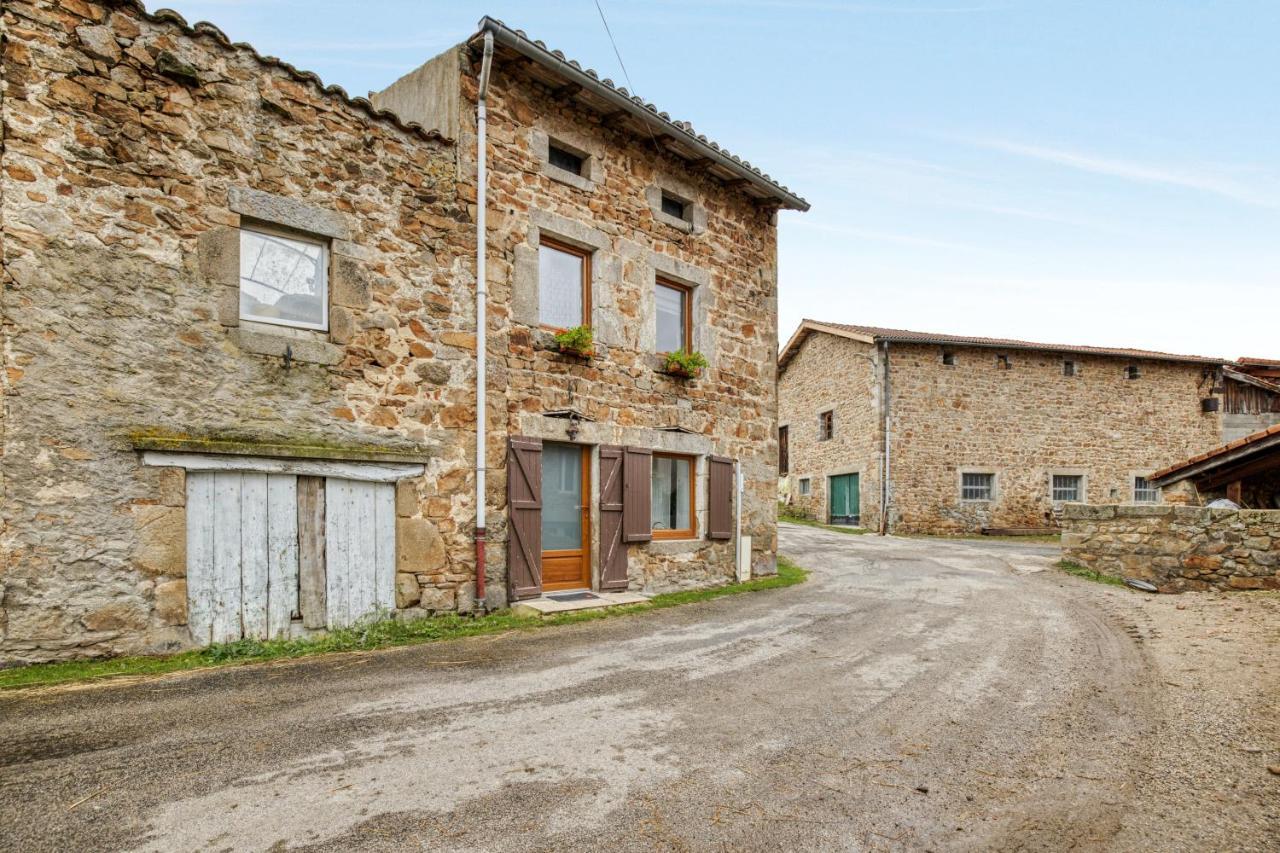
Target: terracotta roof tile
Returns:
[[208, 30], [1252, 438], [879, 333]]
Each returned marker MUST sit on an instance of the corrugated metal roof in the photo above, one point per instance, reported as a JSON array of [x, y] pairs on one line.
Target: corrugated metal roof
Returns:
[[877, 334]]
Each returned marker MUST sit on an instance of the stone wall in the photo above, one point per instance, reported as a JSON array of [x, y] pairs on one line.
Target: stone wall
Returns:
[[1022, 424], [726, 254], [837, 374], [134, 149], [1177, 548]]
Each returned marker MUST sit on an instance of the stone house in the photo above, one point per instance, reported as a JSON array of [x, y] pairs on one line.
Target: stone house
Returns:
[[980, 433], [241, 350]]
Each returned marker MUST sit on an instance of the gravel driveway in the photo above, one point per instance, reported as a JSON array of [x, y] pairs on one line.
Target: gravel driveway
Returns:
[[914, 694]]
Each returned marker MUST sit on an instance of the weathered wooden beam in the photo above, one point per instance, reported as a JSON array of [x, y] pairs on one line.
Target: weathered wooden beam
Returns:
[[567, 91], [311, 558], [735, 183], [1235, 491], [614, 118], [700, 163]]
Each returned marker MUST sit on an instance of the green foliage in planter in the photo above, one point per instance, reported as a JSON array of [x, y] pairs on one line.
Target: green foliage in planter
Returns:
[[579, 340], [686, 362]]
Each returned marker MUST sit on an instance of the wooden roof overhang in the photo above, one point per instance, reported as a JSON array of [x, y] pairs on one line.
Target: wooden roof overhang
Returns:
[[618, 108], [1242, 459]]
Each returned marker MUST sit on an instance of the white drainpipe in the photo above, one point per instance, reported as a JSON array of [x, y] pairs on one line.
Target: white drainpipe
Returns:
[[886, 489], [482, 150]]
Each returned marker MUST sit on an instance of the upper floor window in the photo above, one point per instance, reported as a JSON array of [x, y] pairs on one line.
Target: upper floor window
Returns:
[[948, 358], [1144, 492], [674, 317], [673, 206], [976, 486], [1133, 371], [673, 497], [283, 280], [1067, 488], [1003, 363], [1069, 368], [564, 285], [562, 158], [784, 450], [826, 425]]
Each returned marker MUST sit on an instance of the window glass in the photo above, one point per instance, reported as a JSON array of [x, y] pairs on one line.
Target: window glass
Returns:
[[804, 486], [282, 280], [672, 305], [1144, 492], [1067, 487], [976, 487], [1068, 368], [560, 287], [561, 497], [672, 493], [564, 159], [672, 206]]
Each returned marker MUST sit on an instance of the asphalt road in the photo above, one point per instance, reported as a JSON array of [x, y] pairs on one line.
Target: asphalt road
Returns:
[[914, 694]]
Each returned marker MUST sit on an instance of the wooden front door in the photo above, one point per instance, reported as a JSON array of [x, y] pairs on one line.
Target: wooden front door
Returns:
[[844, 507], [566, 517]]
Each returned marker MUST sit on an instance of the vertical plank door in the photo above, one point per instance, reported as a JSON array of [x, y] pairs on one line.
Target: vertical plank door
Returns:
[[359, 549]]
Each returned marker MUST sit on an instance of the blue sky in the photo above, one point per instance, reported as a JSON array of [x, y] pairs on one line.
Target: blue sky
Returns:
[[1059, 170]]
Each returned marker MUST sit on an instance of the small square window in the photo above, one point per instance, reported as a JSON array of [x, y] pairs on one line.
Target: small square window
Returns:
[[1133, 372], [805, 487], [283, 280], [1144, 492], [977, 487], [673, 206], [563, 158], [1067, 488], [949, 359], [1069, 368], [1003, 363], [826, 425]]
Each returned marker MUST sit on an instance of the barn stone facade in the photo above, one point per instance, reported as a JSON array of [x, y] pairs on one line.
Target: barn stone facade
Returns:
[[141, 153], [1011, 414]]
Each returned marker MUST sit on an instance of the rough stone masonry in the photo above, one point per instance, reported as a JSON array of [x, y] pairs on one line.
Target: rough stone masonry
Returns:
[[136, 147]]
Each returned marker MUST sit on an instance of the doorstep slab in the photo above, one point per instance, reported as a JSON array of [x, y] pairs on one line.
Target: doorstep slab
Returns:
[[544, 606]]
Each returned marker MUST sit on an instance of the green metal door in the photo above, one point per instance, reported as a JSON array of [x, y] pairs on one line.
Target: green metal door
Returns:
[[844, 507]]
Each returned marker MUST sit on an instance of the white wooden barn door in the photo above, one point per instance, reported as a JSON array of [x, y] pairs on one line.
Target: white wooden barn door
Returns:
[[242, 554], [360, 549]]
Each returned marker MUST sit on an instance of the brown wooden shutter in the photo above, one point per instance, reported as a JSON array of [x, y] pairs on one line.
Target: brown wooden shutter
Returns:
[[784, 450], [613, 551], [524, 528], [637, 514], [719, 498]]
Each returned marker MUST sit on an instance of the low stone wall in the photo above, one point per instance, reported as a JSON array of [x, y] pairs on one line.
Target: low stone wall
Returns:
[[1177, 548]]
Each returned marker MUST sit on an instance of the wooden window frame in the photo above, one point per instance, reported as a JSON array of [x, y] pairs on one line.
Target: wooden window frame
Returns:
[[691, 532], [804, 487], [1134, 490], [831, 432], [269, 231], [585, 256], [661, 281]]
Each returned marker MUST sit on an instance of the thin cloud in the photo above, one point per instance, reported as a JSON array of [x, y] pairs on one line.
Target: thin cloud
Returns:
[[1201, 181], [887, 236]]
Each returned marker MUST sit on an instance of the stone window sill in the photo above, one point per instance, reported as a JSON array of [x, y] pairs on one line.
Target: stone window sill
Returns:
[[676, 546], [564, 176], [679, 224], [305, 348]]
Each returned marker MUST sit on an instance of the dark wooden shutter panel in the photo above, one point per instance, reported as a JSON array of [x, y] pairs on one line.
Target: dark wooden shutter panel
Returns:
[[637, 514], [719, 498], [524, 528], [613, 551]]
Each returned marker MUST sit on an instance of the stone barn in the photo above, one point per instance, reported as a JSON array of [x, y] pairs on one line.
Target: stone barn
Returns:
[[958, 434]]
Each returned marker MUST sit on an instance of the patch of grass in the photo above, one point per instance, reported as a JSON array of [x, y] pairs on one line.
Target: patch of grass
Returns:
[[809, 522], [1088, 574], [379, 634]]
